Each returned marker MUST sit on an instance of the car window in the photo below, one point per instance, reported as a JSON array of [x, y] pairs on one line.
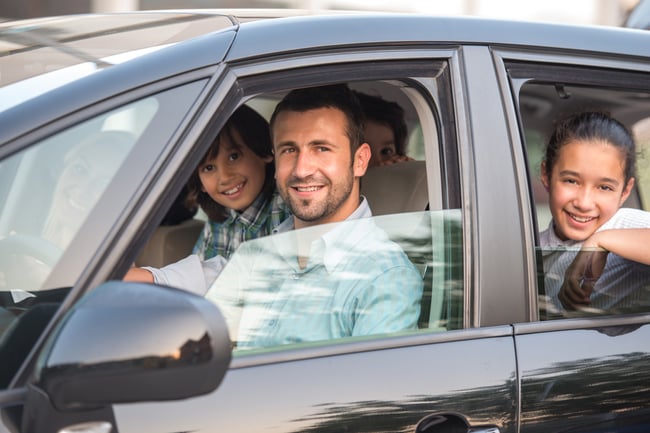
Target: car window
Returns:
[[624, 285], [47, 192], [395, 273], [368, 277]]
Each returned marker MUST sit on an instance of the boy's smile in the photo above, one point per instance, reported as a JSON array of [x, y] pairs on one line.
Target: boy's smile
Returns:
[[235, 177]]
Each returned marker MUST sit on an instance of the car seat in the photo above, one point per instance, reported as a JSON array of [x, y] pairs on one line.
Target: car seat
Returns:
[[396, 188]]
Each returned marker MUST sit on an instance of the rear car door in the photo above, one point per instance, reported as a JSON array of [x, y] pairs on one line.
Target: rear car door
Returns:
[[583, 371]]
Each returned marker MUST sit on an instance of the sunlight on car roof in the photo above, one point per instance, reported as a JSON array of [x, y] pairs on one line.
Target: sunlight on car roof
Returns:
[[62, 49]]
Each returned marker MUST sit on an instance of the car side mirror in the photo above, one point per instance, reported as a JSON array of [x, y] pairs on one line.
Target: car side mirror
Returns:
[[129, 342]]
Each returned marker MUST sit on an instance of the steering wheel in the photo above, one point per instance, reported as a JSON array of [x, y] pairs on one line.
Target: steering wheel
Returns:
[[25, 261]]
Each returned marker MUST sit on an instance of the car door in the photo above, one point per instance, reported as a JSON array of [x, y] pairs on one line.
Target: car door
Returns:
[[444, 375], [69, 187], [581, 372]]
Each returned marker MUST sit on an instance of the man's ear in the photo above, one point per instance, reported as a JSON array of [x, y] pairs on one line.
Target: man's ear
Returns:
[[361, 159], [627, 191]]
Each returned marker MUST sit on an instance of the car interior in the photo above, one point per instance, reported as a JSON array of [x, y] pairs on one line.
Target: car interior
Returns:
[[399, 196], [390, 189]]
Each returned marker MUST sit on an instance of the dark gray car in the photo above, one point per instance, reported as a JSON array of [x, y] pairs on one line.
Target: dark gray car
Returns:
[[104, 117]]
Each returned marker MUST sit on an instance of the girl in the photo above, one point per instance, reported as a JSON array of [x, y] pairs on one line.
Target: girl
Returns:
[[588, 170], [235, 187]]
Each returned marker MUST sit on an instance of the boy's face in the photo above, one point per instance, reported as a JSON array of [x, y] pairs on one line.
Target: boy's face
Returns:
[[381, 139], [586, 187], [235, 177], [315, 170]]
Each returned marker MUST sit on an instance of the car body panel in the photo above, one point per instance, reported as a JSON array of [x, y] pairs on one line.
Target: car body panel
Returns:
[[351, 391]]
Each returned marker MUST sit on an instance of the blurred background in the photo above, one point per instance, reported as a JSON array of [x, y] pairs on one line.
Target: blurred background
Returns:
[[598, 12]]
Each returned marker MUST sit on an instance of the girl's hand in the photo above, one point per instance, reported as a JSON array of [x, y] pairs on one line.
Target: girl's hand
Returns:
[[581, 276], [395, 159]]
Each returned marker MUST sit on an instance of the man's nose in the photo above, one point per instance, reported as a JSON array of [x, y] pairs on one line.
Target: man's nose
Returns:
[[304, 164]]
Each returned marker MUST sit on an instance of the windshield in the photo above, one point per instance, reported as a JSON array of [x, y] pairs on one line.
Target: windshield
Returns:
[[41, 54]]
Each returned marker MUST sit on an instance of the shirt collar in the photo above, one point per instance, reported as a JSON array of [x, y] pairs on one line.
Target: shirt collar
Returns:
[[249, 215], [336, 243], [549, 239]]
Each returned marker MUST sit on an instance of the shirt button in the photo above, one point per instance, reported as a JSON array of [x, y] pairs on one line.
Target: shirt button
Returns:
[[295, 276]]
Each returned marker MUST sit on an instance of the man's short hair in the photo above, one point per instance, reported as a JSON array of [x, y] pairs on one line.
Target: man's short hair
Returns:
[[338, 96]]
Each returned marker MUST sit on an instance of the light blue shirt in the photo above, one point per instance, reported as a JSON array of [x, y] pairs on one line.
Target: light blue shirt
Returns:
[[354, 281]]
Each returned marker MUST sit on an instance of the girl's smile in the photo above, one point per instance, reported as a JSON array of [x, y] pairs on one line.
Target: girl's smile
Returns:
[[586, 187]]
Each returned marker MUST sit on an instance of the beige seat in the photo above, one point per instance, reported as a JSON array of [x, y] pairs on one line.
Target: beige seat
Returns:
[[396, 188], [170, 243]]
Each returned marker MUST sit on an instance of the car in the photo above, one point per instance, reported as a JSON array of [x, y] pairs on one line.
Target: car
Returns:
[[638, 18], [103, 117]]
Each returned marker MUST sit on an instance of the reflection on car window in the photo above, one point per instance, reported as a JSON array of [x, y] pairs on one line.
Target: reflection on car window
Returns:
[[55, 185], [358, 278]]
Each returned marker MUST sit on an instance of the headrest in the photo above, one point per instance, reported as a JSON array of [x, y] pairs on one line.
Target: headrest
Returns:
[[396, 188]]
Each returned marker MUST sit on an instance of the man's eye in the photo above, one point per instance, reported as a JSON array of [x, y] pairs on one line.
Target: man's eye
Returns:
[[387, 151]]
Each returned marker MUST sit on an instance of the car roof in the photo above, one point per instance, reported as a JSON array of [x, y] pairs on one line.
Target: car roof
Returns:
[[172, 41], [373, 28]]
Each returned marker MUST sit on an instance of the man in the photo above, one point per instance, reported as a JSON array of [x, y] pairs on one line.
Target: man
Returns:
[[323, 280]]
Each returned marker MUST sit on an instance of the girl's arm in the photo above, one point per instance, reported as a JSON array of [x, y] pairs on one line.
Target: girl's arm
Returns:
[[631, 244]]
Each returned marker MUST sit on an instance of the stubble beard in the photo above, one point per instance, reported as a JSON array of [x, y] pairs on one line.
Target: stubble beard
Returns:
[[308, 210]]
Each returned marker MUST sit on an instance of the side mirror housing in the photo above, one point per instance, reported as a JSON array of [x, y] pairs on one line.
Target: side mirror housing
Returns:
[[132, 342]]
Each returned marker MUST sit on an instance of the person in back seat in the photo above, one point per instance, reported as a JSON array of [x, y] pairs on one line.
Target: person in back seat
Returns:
[[384, 129], [235, 187], [595, 252]]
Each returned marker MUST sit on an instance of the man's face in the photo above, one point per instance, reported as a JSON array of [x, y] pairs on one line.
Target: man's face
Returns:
[[315, 170]]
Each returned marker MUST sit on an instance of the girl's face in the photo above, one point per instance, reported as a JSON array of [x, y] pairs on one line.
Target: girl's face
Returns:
[[586, 187], [235, 177]]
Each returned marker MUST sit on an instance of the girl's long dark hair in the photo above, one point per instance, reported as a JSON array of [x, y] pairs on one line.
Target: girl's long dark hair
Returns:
[[592, 126]]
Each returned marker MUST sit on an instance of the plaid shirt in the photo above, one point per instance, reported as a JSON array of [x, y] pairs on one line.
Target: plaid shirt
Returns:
[[258, 220]]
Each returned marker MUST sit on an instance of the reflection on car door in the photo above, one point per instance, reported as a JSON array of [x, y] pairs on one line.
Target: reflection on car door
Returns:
[[381, 389], [592, 376]]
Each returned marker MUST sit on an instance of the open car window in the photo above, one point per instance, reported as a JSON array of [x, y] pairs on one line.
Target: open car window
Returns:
[[550, 96]]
